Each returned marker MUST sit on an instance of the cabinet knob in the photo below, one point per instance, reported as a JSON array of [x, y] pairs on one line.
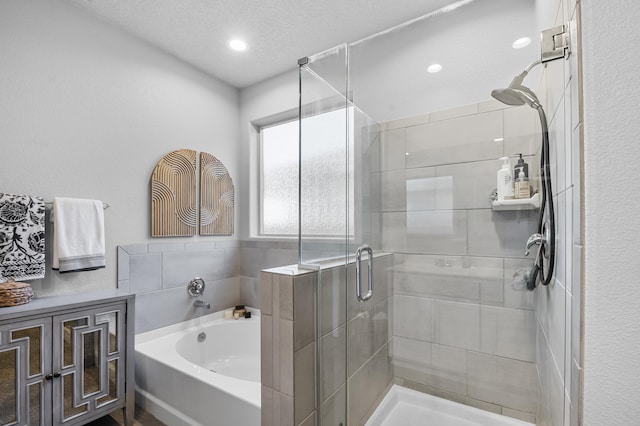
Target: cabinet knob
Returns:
[[48, 377], [56, 374]]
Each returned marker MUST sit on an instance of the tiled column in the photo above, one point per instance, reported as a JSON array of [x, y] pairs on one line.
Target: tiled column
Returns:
[[288, 301]]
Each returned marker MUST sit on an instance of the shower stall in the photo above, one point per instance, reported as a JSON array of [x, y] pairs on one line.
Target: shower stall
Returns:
[[418, 279]]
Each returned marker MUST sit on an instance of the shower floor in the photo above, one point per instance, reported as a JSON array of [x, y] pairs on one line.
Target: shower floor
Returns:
[[406, 407]]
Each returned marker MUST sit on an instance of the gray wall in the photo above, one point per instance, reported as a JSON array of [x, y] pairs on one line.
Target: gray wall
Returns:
[[87, 111], [611, 219]]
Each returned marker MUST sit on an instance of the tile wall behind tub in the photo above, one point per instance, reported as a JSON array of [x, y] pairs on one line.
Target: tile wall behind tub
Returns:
[[460, 330], [158, 274]]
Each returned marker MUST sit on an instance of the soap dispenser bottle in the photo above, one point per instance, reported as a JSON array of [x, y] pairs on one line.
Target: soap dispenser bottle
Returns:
[[505, 180], [521, 165]]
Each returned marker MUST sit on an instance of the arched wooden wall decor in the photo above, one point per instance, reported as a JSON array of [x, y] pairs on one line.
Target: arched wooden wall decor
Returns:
[[216, 197], [173, 195]]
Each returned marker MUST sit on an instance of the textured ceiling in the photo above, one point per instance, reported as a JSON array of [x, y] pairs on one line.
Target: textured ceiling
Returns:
[[278, 31]]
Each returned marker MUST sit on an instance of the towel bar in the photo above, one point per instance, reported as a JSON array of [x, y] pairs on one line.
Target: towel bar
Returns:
[[50, 204]]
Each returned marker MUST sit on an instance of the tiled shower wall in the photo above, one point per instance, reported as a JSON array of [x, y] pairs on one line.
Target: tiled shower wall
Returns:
[[460, 330], [558, 305], [158, 273]]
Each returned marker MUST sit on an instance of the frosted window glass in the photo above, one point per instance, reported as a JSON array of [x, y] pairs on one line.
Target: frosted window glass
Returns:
[[323, 176]]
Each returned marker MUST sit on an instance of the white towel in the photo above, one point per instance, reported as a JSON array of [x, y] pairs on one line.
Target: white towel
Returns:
[[78, 234]]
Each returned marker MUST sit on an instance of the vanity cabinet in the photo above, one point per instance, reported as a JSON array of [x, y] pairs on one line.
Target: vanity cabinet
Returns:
[[66, 363]]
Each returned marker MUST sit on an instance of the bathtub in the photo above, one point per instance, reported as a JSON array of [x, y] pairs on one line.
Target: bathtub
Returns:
[[184, 377]]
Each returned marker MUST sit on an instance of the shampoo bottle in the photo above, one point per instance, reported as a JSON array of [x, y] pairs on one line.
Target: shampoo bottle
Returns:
[[505, 180]]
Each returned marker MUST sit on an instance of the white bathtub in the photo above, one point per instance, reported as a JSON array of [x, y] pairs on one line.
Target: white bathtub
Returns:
[[182, 381]]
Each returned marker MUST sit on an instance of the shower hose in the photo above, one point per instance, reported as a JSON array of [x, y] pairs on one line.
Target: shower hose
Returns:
[[546, 207]]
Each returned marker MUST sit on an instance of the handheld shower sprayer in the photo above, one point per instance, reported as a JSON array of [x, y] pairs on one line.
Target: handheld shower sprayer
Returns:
[[517, 94]]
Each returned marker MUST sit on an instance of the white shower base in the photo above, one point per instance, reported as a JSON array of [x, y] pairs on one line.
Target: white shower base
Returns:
[[406, 407]]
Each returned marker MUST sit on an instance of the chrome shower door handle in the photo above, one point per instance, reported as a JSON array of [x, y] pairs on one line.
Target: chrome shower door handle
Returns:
[[359, 295]]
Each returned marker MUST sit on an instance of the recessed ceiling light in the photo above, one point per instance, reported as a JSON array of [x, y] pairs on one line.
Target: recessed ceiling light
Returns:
[[434, 68], [521, 42], [237, 45]]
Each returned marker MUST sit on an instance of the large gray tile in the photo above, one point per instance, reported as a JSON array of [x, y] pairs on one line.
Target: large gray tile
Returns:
[[393, 144], [360, 342], [333, 350], [576, 324], [391, 195], [249, 292], [286, 357], [174, 305], [551, 315], [333, 297], [557, 150], [267, 406], [367, 385], [522, 133], [222, 294], [413, 317], [304, 382], [367, 333], [304, 309], [333, 410], [502, 381], [165, 247], [508, 332], [576, 167], [135, 248], [457, 324], [448, 369], [179, 267], [266, 350], [287, 408], [515, 294], [382, 285], [266, 301], [145, 272], [466, 185], [428, 232], [419, 190], [411, 359], [123, 264], [285, 287], [500, 233], [468, 138], [450, 277], [309, 421]]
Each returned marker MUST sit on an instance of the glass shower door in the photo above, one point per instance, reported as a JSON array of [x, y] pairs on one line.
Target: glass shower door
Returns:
[[339, 150]]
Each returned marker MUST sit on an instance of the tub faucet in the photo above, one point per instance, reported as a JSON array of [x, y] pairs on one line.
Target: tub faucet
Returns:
[[202, 304]]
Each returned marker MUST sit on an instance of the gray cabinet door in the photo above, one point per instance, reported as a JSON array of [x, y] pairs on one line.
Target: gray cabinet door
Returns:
[[89, 363], [25, 372]]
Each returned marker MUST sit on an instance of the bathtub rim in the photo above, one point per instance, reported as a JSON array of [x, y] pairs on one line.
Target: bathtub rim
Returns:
[[159, 346]]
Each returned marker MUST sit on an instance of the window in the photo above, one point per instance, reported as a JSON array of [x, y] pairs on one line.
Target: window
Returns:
[[324, 177]]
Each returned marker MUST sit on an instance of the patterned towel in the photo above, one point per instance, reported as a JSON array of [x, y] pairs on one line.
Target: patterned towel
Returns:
[[21, 237]]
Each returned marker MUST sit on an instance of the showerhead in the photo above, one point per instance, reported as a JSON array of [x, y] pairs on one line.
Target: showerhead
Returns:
[[508, 96], [517, 94]]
